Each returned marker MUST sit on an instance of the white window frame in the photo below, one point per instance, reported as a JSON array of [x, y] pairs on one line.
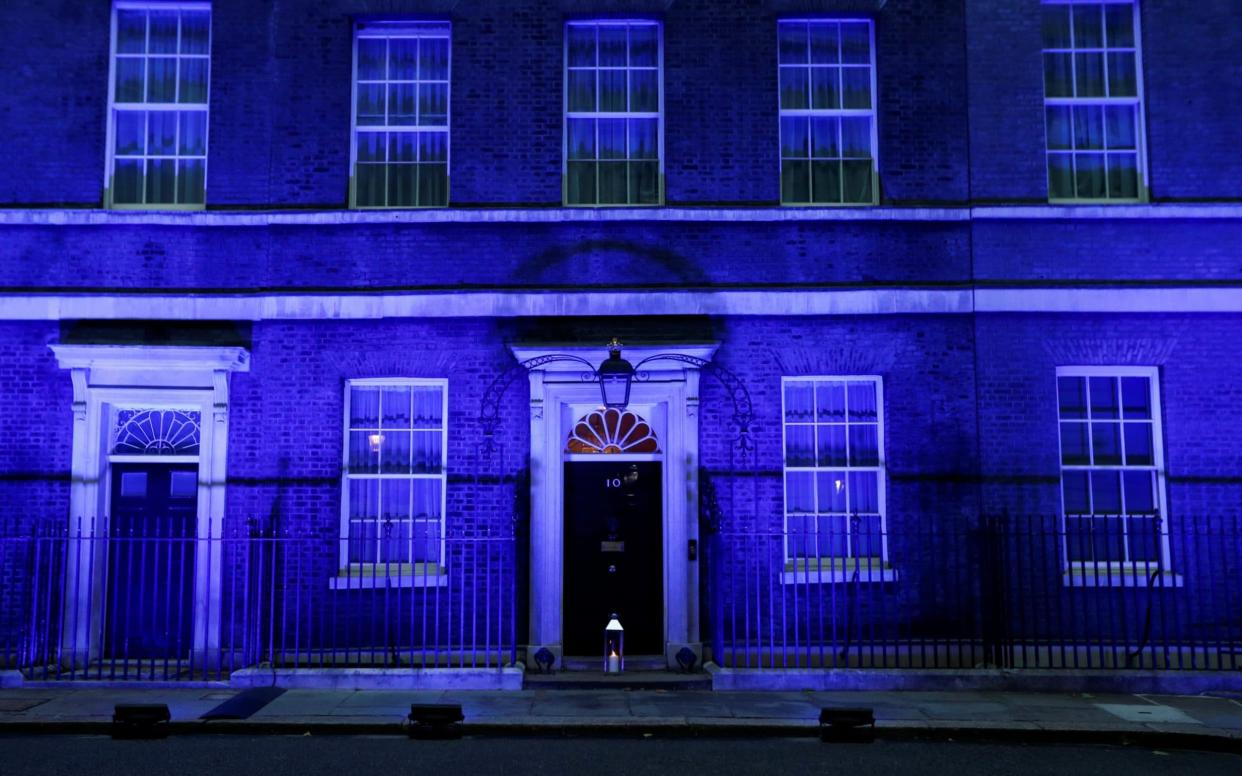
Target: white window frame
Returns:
[[176, 107], [1116, 573], [1139, 101], [812, 113], [388, 30], [870, 568], [566, 115], [355, 576]]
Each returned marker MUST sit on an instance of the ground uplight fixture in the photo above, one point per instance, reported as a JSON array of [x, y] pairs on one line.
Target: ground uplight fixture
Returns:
[[614, 646], [615, 375]]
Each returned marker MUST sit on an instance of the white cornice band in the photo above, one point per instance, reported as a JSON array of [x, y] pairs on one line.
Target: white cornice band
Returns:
[[511, 304]]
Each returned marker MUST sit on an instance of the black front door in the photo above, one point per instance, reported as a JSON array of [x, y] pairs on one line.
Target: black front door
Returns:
[[149, 607], [613, 562]]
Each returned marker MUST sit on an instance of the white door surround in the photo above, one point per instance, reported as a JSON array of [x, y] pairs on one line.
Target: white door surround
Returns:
[[667, 396], [142, 376]]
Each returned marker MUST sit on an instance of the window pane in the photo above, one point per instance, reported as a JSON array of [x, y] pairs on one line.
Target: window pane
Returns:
[[825, 49], [864, 445], [794, 137], [371, 146], [613, 183], [364, 499], [161, 79], [1119, 24], [192, 132], [855, 43], [613, 45], [861, 401], [1143, 539], [162, 33], [644, 183], [1089, 75], [1108, 541], [433, 146], [1088, 127], [402, 185], [161, 181], [1104, 402], [1061, 176], [1140, 492], [127, 182], [644, 45], [856, 182], [581, 90], [864, 492], [856, 137], [426, 537], [401, 110], [799, 401], [643, 139], [794, 88], [428, 407], [190, 181], [1074, 492], [433, 59], [1136, 397], [195, 28], [612, 86], [799, 492], [1088, 26], [1119, 126], [129, 79], [1056, 26], [372, 59], [825, 88], [826, 182], [795, 181], [1074, 446], [131, 31], [1058, 75], [856, 88], [825, 141], [612, 138], [799, 445], [1106, 444], [644, 91], [582, 139], [395, 452], [432, 105], [793, 42], [1090, 176], [402, 59], [1122, 77], [830, 401], [370, 105], [1123, 176], [433, 184], [1058, 124], [364, 408], [369, 185], [193, 84], [395, 407], [364, 448], [1138, 441], [1106, 492], [580, 41], [427, 453], [831, 445], [401, 148], [1072, 397], [161, 132], [130, 132], [580, 183]]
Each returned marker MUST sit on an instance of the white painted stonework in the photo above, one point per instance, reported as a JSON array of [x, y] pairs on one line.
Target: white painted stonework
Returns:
[[669, 399], [119, 376]]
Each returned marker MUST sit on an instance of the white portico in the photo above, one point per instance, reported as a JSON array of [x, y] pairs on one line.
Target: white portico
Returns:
[[666, 394]]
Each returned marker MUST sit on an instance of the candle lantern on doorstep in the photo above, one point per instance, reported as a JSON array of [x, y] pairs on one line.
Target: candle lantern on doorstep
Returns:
[[614, 646]]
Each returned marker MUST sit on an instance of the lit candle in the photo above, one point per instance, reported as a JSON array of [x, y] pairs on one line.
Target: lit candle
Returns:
[[614, 663]]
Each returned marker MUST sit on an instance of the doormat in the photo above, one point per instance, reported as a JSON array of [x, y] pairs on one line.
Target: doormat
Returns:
[[245, 703]]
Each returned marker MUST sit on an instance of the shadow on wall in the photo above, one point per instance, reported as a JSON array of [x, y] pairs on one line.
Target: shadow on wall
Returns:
[[609, 263]]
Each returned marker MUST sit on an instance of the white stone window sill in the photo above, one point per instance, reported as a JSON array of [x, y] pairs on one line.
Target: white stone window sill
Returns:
[[382, 581], [837, 576], [1124, 578]]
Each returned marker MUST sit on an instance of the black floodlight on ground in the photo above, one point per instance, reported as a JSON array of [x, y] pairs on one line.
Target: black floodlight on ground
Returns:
[[140, 720], [435, 720], [686, 659], [856, 725], [544, 659]]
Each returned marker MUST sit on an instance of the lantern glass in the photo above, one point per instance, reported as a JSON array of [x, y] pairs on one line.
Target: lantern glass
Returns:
[[614, 647], [615, 390]]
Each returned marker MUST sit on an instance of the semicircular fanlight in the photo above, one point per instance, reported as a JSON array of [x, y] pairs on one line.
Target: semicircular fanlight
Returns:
[[156, 432], [612, 431]]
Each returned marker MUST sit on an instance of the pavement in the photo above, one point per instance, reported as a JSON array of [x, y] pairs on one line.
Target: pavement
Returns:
[[1187, 721]]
